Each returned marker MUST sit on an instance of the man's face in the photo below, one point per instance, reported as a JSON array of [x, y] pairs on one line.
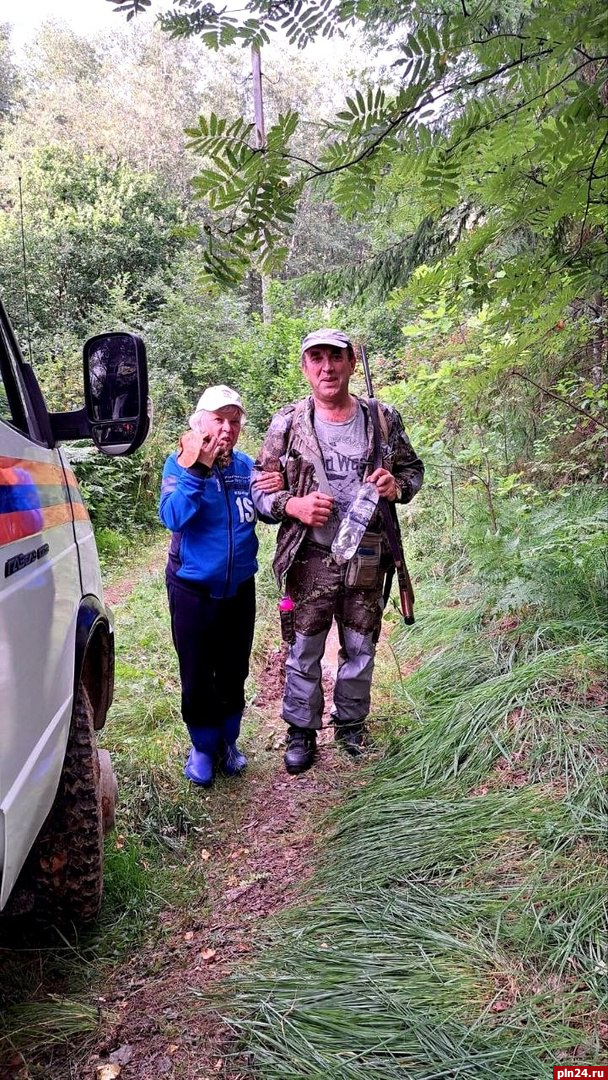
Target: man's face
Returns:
[[225, 425], [328, 370]]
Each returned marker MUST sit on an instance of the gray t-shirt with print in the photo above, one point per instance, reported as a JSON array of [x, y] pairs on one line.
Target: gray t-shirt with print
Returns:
[[343, 447]]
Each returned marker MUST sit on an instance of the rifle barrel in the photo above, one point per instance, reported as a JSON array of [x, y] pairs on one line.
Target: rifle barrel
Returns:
[[366, 371]]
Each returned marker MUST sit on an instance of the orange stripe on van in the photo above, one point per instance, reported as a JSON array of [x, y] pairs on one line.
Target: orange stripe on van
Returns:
[[56, 515], [40, 471], [71, 477], [17, 522]]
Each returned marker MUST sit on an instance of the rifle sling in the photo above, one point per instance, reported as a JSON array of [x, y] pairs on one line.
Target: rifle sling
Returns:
[[386, 509], [389, 515]]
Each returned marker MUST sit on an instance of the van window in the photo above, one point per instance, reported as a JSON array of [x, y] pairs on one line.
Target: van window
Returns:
[[12, 401], [5, 412]]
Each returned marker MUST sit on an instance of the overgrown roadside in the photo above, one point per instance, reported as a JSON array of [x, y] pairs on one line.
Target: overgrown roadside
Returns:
[[258, 852], [456, 918], [458, 923], [194, 878]]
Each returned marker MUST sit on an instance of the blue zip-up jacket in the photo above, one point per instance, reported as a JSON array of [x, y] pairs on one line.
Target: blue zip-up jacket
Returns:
[[212, 518]]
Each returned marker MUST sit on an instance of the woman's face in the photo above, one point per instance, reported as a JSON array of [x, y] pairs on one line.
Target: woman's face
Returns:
[[224, 424]]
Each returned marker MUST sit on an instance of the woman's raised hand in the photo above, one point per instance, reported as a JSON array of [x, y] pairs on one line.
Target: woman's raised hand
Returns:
[[194, 446]]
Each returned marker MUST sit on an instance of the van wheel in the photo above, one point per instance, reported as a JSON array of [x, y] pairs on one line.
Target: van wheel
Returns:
[[65, 866], [109, 790]]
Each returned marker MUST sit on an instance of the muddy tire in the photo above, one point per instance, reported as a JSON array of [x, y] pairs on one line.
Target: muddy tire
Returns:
[[65, 867]]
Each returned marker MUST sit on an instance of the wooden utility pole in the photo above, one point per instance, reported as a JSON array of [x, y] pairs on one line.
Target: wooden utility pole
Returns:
[[260, 141], [258, 100]]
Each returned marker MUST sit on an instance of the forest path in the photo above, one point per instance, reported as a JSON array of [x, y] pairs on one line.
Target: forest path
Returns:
[[260, 849]]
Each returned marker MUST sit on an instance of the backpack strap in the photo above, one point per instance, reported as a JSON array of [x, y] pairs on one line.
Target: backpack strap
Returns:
[[382, 421], [380, 430], [297, 412]]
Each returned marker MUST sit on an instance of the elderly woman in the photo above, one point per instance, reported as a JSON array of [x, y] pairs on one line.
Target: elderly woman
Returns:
[[206, 503]]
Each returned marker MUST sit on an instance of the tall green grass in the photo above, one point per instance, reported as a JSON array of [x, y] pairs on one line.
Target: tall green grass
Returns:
[[457, 923]]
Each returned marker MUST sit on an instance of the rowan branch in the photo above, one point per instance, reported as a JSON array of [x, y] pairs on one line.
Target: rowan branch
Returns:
[[516, 108], [551, 394], [589, 202], [406, 114], [592, 177]]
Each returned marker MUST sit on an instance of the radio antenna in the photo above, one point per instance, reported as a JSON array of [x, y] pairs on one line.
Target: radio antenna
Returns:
[[25, 283]]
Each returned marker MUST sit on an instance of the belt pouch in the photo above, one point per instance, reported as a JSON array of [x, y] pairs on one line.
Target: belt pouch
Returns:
[[363, 571]]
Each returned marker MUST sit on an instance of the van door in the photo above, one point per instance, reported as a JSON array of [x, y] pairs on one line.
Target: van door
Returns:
[[39, 596]]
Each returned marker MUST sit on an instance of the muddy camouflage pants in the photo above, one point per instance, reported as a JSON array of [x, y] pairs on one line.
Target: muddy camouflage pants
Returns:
[[316, 585]]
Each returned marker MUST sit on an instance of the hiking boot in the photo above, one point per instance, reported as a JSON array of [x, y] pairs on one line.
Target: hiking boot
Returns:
[[232, 761], [301, 747], [351, 737], [200, 768]]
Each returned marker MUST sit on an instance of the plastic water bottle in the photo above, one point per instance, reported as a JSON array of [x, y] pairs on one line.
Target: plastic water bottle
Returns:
[[288, 620], [354, 524]]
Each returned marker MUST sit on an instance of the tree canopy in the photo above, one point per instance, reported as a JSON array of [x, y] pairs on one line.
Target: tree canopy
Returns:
[[434, 184], [493, 117], [476, 161], [92, 225]]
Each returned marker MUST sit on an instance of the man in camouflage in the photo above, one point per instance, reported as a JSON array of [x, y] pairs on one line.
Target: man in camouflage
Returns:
[[324, 448]]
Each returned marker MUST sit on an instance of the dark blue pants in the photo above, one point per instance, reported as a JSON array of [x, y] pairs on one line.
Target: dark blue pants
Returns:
[[213, 640]]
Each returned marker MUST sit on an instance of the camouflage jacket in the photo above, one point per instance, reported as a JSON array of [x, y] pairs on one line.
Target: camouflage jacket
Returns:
[[291, 447]]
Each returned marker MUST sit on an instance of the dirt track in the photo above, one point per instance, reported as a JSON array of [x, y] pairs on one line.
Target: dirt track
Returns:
[[259, 851], [259, 854]]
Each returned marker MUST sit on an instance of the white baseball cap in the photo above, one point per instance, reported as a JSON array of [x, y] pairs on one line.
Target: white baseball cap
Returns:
[[214, 398]]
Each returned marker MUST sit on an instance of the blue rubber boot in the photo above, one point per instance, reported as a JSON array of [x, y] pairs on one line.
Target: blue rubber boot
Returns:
[[232, 761], [200, 766]]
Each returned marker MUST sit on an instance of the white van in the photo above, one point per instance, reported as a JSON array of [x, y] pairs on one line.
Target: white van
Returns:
[[56, 637]]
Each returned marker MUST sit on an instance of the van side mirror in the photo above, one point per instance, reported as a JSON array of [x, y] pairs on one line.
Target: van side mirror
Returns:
[[116, 392]]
